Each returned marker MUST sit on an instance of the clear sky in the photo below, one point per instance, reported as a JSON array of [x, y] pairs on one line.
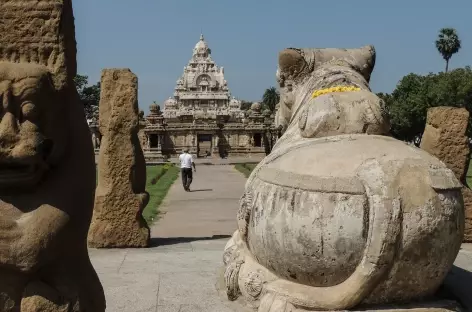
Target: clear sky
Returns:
[[155, 38]]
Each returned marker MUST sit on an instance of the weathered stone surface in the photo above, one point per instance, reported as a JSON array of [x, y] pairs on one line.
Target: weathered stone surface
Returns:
[[339, 216], [444, 137], [120, 196], [47, 169], [34, 32], [467, 194]]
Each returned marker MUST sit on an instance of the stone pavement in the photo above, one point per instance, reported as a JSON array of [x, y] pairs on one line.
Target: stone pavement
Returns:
[[208, 210], [459, 280], [179, 273]]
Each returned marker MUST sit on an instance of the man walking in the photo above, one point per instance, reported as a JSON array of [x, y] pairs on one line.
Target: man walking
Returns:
[[186, 164]]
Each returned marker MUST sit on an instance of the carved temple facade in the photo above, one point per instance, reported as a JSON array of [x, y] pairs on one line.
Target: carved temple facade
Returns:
[[203, 117]]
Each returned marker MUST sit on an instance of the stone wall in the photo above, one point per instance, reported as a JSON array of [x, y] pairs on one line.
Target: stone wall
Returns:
[[444, 137], [235, 142]]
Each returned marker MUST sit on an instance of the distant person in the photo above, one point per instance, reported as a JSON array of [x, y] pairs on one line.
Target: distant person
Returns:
[[186, 164]]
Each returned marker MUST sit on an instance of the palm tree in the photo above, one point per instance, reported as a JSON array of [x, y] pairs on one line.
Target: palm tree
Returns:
[[448, 43], [271, 98]]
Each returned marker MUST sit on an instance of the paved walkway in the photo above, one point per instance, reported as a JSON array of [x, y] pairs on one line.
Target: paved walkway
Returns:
[[208, 210], [180, 273]]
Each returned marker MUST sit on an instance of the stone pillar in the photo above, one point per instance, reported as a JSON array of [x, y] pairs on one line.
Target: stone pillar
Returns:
[[148, 141], [120, 196], [44, 263], [95, 139], [444, 137], [216, 151], [160, 141]]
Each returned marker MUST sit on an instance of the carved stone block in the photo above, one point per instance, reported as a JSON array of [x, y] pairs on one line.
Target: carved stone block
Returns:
[[47, 167], [444, 137], [120, 197]]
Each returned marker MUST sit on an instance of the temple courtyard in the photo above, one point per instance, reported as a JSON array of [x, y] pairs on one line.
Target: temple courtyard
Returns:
[[179, 273]]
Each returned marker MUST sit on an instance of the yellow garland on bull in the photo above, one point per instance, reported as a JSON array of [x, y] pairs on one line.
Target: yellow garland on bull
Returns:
[[317, 93]]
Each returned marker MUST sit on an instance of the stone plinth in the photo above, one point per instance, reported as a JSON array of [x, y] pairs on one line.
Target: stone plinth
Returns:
[[47, 170], [444, 137], [120, 196]]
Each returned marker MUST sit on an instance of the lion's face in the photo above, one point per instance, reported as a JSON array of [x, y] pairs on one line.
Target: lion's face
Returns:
[[29, 124]]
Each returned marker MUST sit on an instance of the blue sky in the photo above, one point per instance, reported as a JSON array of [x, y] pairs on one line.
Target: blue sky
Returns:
[[155, 38]]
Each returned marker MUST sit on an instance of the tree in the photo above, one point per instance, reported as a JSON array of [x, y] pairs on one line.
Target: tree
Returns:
[[89, 95], [245, 105], [270, 98], [408, 104], [448, 44]]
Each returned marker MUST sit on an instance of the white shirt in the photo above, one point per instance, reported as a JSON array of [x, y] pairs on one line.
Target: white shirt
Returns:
[[186, 160]]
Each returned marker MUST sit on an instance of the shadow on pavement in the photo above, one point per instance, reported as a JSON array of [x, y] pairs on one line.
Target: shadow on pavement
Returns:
[[457, 287], [166, 241]]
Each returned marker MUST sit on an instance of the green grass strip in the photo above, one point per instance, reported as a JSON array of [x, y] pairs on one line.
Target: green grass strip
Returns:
[[245, 169], [159, 181]]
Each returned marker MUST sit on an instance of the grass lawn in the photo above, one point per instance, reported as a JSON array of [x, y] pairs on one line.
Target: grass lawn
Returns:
[[245, 169], [469, 175], [159, 180]]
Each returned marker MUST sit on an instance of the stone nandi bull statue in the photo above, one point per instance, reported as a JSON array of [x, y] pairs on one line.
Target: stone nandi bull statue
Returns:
[[340, 215]]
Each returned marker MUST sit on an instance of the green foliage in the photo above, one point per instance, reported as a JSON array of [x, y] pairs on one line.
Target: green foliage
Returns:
[[168, 166], [245, 105], [159, 180], [270, 99], [448, 44], [245, 169], [80, 82], [469, 174], [89, 95], [409, 102]]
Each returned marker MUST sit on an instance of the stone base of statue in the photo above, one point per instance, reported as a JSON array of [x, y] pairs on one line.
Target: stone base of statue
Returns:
[[375, 223], [257, 293], [270, 303]]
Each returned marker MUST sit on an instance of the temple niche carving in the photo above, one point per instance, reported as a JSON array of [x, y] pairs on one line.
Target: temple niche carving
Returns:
[[204, 117]]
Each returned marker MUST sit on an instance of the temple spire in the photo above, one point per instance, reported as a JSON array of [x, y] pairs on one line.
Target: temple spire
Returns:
[[201, 37]]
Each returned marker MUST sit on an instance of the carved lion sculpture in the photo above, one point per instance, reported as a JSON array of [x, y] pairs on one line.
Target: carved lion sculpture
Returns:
[[339, 214], [47, 185]]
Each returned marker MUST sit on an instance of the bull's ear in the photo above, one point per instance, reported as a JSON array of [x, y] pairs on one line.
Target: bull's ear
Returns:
[[368, 56], [291, 62]]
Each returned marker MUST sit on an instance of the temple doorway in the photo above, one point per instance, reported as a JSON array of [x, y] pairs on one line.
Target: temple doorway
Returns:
[[204, 145], [153, 141], [257, 140]]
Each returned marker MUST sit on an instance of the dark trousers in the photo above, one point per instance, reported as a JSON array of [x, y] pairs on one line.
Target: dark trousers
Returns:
[[187, 177]]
